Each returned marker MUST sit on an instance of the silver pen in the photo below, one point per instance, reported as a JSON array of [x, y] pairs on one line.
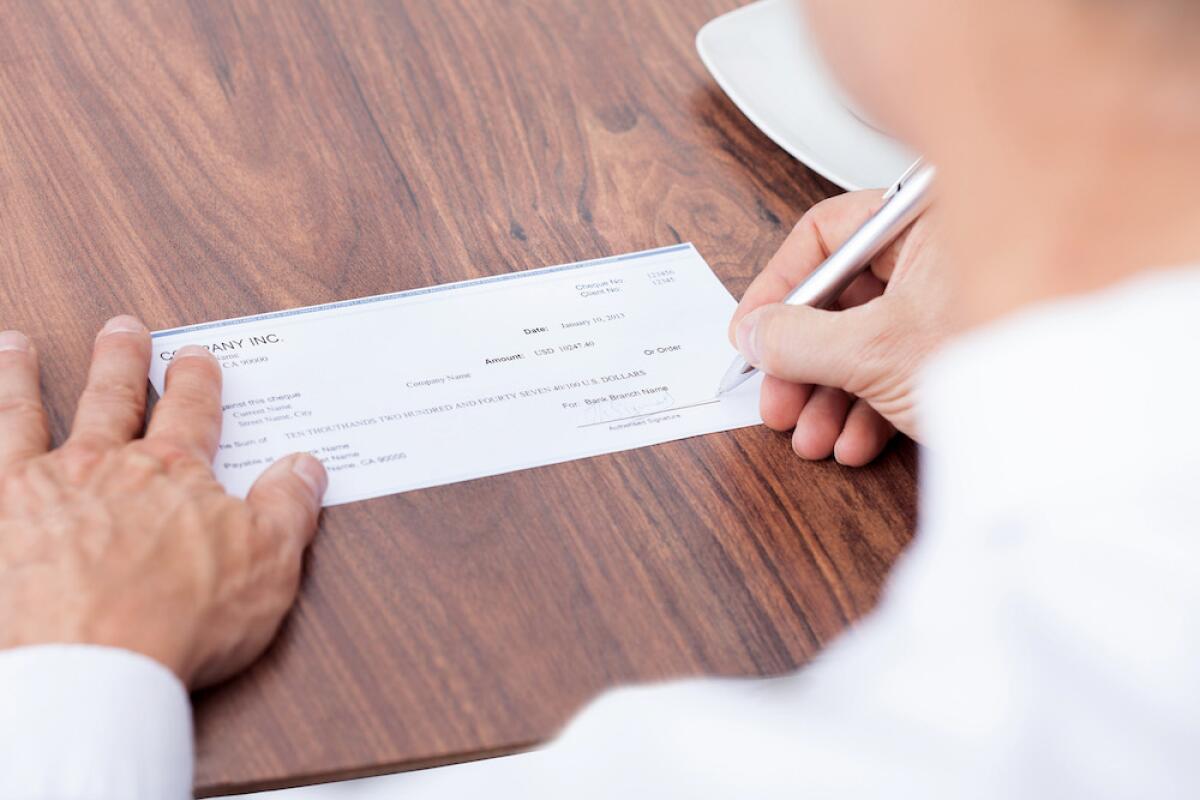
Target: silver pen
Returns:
[[902, 204]]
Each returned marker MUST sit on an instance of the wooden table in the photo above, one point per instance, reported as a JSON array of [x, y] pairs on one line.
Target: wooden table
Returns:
[[188, 161]]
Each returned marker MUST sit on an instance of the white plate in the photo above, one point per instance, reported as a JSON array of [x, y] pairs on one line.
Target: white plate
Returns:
[[762, 56]]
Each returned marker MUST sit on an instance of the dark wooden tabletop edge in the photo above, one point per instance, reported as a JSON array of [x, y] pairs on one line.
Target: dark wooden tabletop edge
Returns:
[[374, 771]]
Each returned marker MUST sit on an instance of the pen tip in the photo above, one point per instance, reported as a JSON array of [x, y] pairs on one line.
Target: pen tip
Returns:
[[737, 373]]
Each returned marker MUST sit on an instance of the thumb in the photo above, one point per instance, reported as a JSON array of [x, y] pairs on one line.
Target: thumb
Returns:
[[287, 497], [808, 345]]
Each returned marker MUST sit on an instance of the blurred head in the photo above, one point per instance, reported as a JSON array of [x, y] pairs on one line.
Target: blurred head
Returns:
[[1083, 113]]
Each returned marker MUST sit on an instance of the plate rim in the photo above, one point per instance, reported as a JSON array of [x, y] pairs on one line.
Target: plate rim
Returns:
[[808, 158]]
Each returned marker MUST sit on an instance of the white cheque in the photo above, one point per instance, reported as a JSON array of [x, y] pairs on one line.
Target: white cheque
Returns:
[[431, 386]]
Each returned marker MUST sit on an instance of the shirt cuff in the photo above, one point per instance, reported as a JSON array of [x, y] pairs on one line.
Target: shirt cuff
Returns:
[[79, 721]]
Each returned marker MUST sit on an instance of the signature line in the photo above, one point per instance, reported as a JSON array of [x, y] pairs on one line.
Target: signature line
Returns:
[[650, 414]]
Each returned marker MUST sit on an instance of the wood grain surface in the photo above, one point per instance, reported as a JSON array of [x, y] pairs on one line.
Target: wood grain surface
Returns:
[[187, 161]]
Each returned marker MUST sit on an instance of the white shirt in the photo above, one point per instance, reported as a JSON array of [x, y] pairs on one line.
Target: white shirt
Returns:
[[1041, 638]]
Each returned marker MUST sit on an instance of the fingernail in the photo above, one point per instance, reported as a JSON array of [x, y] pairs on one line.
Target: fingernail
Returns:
[[191, 351], [14, 340], [312, 472], [838, 447], [123, 324], [747, 341]]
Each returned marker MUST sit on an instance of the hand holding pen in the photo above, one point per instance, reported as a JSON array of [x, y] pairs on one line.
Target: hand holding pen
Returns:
[[843, 379]]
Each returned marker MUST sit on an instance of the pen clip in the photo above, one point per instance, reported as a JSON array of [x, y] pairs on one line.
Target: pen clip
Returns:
[[908, 173]]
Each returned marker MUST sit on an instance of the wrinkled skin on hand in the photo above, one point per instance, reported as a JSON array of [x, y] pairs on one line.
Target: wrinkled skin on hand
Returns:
[[126, 541]]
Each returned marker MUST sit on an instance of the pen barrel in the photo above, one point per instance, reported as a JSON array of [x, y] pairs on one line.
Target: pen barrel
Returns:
[[826, 283]]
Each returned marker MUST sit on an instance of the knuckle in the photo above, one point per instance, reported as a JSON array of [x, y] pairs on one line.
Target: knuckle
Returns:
[[195, 368], [196, 400], [808, 226], [820, 213], [195, 395], [878, 348], [771, 332], [879, 358], [165, 452], [192, 380], [827, 207], [80, 457], [294, 493], [18, 359], [292, 496], [23, 407], [280, 534], [115, 392]]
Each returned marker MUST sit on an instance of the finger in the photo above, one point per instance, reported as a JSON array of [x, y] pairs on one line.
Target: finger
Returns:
[[808, 345], [113, 404], [286, 499], [863, 437], [780, 402], [24, 431], [865, 288], [820, 423], [189, 413], [904, 247], [815, 236], [285, 502]]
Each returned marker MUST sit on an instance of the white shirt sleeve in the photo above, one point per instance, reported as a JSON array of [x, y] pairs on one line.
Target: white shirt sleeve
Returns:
[[92, 723]]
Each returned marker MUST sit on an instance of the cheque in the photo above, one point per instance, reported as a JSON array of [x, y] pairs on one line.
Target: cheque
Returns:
[[460, 381]]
